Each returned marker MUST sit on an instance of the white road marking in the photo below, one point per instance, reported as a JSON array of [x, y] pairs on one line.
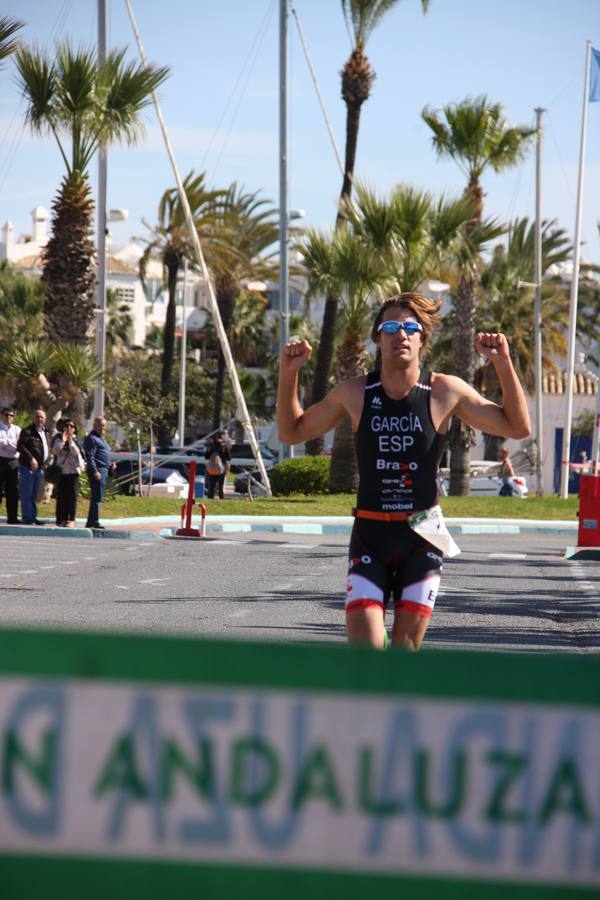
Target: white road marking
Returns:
[[507, 556], [153, 580], [239, 613], [47, 567], [69, 562], [26, 571], [122, 587]]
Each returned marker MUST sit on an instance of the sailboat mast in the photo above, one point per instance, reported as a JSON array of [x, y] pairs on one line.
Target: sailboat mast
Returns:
[[566, 448], [538, 324], [284, 311], [101, 211]]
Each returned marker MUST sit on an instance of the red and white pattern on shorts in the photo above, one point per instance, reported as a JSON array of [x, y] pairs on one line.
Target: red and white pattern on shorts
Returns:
[[420, 596], [362, 593]]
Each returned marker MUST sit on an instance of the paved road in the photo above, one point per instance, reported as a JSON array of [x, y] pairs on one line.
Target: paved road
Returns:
[[511, 592]]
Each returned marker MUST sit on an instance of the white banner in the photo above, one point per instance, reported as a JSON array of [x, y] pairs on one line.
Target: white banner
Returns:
[[291, 778]]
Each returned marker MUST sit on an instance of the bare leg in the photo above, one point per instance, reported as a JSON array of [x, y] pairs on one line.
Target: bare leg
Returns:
[[409, 630], [366, 626]]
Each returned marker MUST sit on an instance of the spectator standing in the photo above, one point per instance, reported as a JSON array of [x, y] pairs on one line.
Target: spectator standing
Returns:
[[69, 459], [227, 440], [507, 473], [9, 464], [218, 458], [34, 451], [99, 465]]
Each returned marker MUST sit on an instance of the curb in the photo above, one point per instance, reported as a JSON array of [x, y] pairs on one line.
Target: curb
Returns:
[[343, 525], [51, 530], [331, 525]]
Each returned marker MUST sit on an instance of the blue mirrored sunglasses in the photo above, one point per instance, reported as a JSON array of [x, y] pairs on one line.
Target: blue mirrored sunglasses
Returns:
[[393, 327]]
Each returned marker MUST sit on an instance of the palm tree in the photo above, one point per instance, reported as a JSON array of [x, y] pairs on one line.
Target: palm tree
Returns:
[[412, 232], [476, 135], [8, 28], [56, 378], [75, 97], [505, 303], [26, 364], [240, 247], [249, 333], [362, 17], [346, 267], [75, 372], [170, 241]]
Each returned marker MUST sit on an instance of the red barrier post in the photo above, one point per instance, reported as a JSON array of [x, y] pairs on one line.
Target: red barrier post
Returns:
[[589, 511], [187, 530]]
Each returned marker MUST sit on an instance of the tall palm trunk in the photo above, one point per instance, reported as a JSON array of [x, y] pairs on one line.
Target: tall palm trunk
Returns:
[[461, 435], [171, 260], [323, 366], [357, 79], [226, 303], [343, 474], [68, 273]]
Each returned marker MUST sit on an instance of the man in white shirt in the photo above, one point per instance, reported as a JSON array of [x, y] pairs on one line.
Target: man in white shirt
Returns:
[[9, 464]]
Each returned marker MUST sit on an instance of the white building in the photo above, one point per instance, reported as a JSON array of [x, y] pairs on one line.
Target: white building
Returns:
[[122, 276]]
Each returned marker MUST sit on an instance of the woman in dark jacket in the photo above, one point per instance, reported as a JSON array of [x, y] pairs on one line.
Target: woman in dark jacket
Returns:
[[218, 458]]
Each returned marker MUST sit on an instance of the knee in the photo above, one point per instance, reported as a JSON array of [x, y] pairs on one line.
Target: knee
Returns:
[[408, 642]]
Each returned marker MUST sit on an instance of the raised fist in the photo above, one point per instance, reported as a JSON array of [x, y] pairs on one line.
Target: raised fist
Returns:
[[295, 355], [492, 346]]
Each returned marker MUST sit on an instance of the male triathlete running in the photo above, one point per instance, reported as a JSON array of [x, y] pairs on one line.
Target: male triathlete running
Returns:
[[400, 415]]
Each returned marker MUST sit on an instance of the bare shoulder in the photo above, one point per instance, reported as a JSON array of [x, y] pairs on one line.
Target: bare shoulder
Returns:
[[350, 394], [445, 387], [352, 387]]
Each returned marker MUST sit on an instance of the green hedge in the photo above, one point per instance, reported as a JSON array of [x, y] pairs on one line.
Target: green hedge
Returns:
[[305, 475]]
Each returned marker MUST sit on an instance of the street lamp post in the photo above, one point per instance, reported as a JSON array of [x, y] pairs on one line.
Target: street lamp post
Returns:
[[101, 206]]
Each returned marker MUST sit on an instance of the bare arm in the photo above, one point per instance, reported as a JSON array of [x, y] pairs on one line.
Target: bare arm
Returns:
[[511, 420], [293, 423]]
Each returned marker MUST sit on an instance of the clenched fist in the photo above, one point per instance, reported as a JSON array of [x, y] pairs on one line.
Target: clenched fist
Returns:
[[492, 346], [295, 355]]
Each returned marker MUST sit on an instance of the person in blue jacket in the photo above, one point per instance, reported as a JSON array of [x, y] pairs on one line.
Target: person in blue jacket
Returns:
[[99, 465]]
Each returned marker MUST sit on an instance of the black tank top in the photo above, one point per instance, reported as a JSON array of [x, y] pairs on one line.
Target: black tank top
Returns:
[[397, 448]]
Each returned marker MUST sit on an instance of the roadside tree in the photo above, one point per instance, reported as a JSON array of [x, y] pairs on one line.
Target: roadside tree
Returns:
[[74, 98], [475, 134], [362, 18]]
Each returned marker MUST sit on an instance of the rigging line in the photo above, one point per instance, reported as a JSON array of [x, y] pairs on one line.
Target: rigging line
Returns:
[[560, 159], [242, 92], [318, 91], [267, 15], [515, 193], [61, 19], [243, 413], [569, 84], [10, 155]]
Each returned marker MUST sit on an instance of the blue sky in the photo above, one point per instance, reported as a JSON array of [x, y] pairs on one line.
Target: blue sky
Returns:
[[221, 101]]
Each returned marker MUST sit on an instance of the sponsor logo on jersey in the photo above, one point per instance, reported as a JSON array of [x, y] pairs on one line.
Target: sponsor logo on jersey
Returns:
[[434, 556], [376, 401]]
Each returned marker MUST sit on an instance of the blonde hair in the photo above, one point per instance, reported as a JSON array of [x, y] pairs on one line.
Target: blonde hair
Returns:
[[422, 308]]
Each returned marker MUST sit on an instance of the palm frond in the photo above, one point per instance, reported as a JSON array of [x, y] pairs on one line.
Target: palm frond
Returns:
[[28, 359], [78, 364], [363, 16], [8, 28]]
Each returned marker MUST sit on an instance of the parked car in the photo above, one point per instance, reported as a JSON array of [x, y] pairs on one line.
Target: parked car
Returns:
[[163, 464], [254, 479], [242, 457]]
